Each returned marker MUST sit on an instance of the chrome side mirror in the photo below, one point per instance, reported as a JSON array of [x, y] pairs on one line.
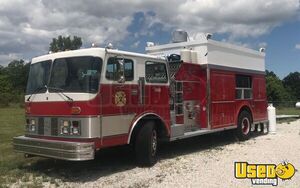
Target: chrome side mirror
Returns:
[[121, 71]]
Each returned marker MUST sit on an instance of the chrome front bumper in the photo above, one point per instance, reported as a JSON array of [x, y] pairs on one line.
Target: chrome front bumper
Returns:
[[72, 151]]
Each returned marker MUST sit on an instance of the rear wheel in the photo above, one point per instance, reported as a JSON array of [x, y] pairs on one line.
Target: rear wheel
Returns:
[[244, 126], [146, 145]]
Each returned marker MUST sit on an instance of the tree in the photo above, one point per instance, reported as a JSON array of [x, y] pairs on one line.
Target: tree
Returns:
[[270, 73], [65, 43], [6, 90], [276, 92], [292, 83], [5, 85], [17, 73]]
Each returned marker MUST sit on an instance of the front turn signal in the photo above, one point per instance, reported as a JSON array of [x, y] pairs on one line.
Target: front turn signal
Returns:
[[75, 110]]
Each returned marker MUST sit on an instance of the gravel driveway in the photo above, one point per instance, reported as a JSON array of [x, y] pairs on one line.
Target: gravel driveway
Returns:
[[205, 161]]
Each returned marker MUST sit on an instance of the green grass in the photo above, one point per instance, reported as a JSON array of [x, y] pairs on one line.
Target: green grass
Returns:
[[287, 111], [33, 172], [13, 166], [11, 124]]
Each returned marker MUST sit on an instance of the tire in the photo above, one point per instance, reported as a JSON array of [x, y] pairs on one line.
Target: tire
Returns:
[[146, 144], [244, 126]]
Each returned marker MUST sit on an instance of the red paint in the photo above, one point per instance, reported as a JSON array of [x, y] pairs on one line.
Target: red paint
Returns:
[[114, 140], [194, 88], [180, 119], [156, 102], [224, 107], [64, 108]]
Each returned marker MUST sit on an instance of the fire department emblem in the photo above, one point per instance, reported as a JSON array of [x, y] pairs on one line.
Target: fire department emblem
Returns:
[[120, 98]]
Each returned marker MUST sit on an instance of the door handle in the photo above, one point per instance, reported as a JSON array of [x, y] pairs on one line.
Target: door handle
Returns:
[[134, 92]]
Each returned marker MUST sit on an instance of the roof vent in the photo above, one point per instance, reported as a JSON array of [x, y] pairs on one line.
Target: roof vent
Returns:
[[179, 36]]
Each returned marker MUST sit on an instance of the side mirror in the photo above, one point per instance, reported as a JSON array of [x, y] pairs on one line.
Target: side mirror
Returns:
[[121, 71]]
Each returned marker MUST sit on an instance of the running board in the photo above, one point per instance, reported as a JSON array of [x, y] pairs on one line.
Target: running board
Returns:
[[200, 132]]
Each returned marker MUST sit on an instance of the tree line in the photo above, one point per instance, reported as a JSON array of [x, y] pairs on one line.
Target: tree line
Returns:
[[13, 78], [283, 92]]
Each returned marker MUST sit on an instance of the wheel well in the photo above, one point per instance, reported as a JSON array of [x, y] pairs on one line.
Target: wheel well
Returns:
[[159, 125], [247, 109]]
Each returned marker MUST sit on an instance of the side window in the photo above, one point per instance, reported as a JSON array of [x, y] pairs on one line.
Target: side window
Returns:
[[128, 69], [243, 88], [113, 68], [156, 72]]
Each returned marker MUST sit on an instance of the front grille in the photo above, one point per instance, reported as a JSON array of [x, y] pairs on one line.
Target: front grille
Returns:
[[41, 126], [54, 126]]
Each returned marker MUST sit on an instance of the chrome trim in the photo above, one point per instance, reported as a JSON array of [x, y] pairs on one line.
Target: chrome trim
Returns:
[[136, 121], [221, 102], [90, 126], [208, 99], [72, 151], [200, 132], [141, 85], [177, 130], [191, 115], [116, 124]]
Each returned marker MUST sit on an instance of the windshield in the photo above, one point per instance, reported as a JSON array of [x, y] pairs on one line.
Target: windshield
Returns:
[[38, 77], [76, 74]]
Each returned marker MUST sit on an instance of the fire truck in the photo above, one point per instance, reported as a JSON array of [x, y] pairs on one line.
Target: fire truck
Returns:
[[79, 102]]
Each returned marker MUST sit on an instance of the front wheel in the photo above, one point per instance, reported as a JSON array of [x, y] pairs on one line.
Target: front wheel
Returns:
[[146, 145], [244, 126]]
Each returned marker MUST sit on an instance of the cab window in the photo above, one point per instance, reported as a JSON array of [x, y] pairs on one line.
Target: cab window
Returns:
[[113, 68], [156, 72]]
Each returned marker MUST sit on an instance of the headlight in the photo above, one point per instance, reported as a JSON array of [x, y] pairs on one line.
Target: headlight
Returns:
[[31, 125], [75, 129], [65, 126], [70, 128], [66, 123], [65, 130], [32, 128], [32, 122]]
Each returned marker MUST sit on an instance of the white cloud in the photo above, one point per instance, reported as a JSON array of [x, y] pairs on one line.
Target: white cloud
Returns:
[[6, 58], [263, 45], [26, 27], [297, 46], [135, 44]]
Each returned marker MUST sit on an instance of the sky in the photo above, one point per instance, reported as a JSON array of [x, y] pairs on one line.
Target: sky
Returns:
[[28, 26]]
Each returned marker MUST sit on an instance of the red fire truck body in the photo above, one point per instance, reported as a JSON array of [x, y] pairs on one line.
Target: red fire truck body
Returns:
[[81, 101]]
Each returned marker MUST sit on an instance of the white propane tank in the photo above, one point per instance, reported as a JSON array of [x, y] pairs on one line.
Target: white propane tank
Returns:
[[297, 105], [194, 55], [272, 118], [186, 55]]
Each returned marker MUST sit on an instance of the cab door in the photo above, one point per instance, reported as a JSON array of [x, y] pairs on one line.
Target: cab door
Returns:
[[118, 95], [157, 96]]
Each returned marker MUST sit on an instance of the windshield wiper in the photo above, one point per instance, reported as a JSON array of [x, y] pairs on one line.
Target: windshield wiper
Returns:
[[60, 90], [35, 91]]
